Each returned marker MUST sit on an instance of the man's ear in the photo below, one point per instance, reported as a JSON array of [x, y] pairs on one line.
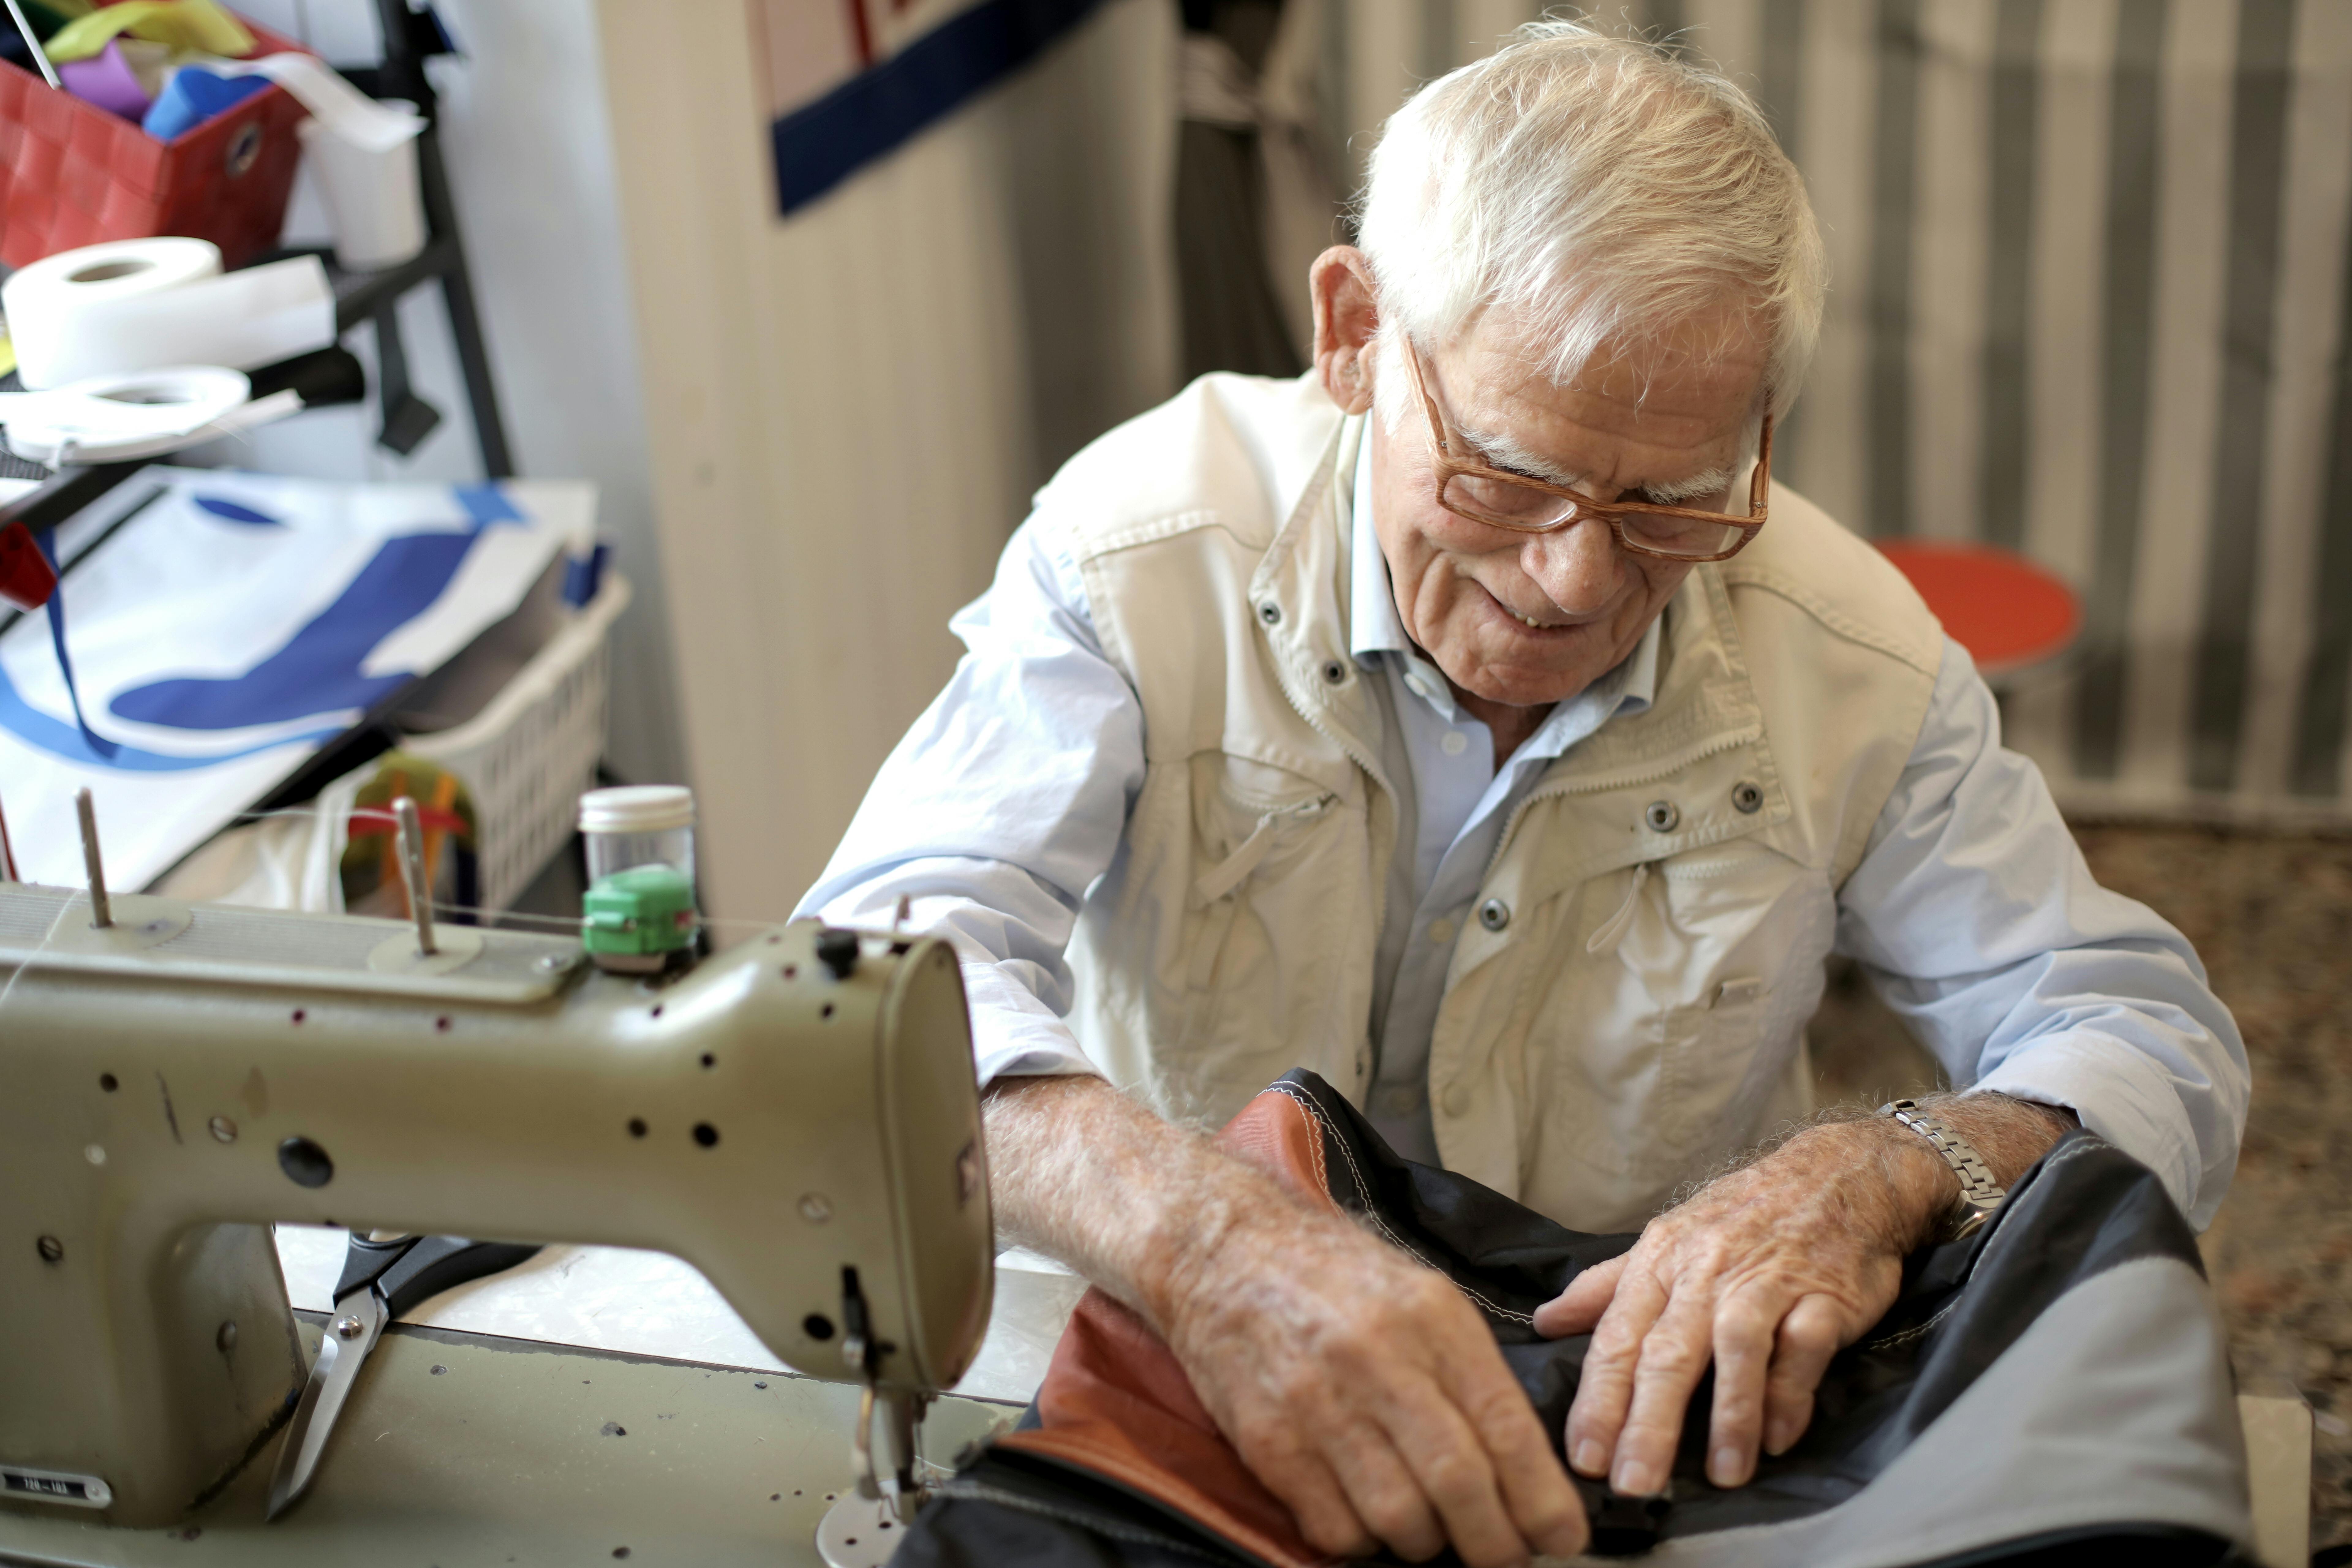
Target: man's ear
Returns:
[[1346, 314]]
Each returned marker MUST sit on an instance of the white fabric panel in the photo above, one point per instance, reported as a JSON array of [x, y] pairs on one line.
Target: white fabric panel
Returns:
[[2068, 310], [1834, 120], [1727, 32], [1947, 268]]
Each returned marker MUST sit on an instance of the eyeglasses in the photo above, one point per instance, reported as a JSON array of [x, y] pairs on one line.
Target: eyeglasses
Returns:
[[1489, 495]]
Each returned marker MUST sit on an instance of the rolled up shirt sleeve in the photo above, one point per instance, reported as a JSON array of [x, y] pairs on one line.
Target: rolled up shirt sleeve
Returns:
[[1001, 805], [1977, 918]]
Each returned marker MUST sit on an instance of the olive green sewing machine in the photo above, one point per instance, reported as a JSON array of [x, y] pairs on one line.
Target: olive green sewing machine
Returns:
[[796, 1117]]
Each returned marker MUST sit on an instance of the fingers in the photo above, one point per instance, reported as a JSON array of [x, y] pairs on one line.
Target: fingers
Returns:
[[1808, 1336], [1605, 1389], [1745, 1327], [1475, 1450], [1384, 1493], [1575, 1310], [1674, 1356], [1309, 1488], [1451, 1469], [1537, 1493]]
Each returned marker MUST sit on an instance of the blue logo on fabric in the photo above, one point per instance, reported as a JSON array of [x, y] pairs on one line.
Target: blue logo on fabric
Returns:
[[318, 669]]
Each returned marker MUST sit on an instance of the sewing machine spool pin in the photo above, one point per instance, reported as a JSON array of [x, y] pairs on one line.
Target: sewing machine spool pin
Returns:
[[412, 873], [101, 908]]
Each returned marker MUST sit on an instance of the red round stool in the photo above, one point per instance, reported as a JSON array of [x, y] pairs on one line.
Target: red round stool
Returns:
[[2009, 614]]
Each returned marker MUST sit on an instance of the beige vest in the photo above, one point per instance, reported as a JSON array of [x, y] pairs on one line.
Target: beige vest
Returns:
[[1588, 1057]]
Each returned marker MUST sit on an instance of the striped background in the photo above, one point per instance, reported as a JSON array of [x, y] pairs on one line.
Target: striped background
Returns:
[[2090, 286]]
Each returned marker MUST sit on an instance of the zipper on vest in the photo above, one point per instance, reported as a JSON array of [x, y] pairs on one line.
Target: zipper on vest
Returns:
[[1233, 870], [1613, 929]]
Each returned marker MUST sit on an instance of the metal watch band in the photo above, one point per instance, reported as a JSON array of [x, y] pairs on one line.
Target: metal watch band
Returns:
[[1979, 1193]]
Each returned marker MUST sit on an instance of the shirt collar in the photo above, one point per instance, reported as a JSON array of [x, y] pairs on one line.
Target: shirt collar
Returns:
[[1376, 629]]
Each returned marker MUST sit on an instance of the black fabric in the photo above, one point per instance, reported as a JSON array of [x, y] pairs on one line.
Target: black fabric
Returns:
[[2084, 1208], [1011, 1507]]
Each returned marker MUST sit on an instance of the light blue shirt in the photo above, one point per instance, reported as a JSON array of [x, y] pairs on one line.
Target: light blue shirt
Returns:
[[1972, 908]]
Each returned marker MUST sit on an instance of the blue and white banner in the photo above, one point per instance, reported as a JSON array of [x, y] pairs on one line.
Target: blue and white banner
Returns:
[[849, 81], [229, 627]]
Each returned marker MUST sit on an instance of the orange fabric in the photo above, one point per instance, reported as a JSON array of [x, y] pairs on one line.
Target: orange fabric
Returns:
[[1116, 1403], [2006, 611]]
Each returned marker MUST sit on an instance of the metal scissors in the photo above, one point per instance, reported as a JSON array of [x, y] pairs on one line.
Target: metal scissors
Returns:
[[381, 1280]]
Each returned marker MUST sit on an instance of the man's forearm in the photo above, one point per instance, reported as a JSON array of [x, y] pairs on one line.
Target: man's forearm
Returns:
[[1083, 1174]]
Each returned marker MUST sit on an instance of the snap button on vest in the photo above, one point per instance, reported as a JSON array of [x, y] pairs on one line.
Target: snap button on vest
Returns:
[[1662, 816], [1270, 613], [1334, 671], [1494, 914], [1747, 798], [1457, 1100]]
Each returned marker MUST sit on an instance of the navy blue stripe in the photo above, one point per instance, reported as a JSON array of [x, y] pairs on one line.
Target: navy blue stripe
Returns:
[[2327, 681], [2135, 124], [880, 110]]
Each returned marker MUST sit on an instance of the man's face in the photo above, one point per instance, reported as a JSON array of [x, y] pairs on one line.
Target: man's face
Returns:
[[1523, 619]]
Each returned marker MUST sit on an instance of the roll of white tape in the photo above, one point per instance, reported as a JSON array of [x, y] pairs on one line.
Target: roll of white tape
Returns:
[[111, 418], [112, 309], [49, 301]]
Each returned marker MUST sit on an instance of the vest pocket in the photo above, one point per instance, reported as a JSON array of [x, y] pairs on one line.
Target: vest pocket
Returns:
[[1707, 1049], [1256, 930]]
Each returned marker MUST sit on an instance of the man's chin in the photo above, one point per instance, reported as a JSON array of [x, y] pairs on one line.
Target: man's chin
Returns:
[[1522, 678]]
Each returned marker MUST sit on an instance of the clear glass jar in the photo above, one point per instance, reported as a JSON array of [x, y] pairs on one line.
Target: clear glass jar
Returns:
[[638, 825]]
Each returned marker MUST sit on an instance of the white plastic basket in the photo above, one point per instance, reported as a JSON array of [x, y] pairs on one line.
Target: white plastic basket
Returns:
[[527, 757]]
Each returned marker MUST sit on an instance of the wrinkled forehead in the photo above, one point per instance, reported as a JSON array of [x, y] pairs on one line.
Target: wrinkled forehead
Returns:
[[1637, 412]]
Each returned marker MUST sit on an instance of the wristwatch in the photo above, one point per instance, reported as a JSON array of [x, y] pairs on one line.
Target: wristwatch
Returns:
[[1979, 1193]]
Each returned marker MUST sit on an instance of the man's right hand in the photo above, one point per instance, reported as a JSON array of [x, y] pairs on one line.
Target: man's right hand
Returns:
[[1359, 1385]]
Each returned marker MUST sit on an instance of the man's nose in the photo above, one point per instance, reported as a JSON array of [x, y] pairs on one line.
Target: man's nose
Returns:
[[1578, 567]]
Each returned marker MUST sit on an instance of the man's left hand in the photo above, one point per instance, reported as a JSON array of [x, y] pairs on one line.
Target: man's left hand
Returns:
[[1769, 1272]]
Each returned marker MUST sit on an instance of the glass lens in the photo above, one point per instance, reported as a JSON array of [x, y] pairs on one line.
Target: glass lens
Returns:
[[1505, 504], [1679, 536]]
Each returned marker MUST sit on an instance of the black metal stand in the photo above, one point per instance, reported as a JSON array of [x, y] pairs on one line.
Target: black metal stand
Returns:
[[410, 38]]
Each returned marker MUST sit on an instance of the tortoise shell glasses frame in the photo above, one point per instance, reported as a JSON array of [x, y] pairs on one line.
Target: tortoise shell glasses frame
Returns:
[[1468, 487]]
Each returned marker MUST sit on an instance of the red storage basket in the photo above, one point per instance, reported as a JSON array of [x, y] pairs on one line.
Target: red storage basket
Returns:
[[72, 174]]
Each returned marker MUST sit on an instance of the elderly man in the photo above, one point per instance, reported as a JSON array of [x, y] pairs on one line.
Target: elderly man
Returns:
[[1472, 722]]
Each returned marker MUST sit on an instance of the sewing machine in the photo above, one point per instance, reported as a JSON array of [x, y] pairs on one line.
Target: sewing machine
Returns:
[[796, 1117]]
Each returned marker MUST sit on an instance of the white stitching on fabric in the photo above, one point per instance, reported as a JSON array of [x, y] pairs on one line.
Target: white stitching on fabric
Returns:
[[1322, 1171], [1322, 1123], [1906, 1336]]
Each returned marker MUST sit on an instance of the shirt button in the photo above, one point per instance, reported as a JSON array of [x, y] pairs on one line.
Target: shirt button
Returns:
[[1457, 1100], [1455, 743], [1441, 932]]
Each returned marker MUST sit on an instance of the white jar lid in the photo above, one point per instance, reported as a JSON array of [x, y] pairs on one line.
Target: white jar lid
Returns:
[[636, 809]]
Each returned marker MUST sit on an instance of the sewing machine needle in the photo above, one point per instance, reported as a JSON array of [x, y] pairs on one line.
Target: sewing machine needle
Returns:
[[359, 1320]]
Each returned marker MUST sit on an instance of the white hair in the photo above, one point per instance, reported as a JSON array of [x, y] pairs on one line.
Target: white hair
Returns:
[[1585, 189]]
